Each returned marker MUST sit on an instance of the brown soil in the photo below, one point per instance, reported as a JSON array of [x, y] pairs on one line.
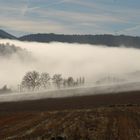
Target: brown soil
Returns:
[[79, 102], [99, 117]]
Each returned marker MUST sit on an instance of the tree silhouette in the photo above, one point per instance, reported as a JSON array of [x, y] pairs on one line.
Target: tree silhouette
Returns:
[[31, 80], [44, 79], [57, 79], [70, 81]]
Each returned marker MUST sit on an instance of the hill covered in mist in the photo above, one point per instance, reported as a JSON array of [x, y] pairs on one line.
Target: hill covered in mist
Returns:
[[9, 50], [106, 39]]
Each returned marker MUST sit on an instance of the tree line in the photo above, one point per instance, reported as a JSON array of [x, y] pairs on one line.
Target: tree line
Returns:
[[34, 80], [8, 50], [106, 39]]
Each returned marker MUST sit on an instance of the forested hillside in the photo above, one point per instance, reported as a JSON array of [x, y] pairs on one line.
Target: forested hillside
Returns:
[[108, 40]]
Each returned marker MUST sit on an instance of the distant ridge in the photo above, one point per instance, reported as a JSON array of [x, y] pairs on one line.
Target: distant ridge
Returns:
[[6, 35], [106, 39]]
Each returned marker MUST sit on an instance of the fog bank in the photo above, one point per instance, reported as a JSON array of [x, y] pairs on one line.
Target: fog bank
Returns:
[[95, 63]]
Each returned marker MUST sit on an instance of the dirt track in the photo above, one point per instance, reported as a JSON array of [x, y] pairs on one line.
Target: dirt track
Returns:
[[99, 117]]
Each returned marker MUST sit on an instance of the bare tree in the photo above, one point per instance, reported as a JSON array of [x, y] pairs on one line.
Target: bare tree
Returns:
[[83, 80], [65, 82], [57, 79], [44, 79], [70, 81], [31, 80]]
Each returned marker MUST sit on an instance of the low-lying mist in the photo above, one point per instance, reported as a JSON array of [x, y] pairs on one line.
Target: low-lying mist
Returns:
[[95, 63]]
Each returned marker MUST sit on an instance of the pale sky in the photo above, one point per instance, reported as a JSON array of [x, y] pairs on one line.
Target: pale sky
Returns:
[[21, 17]]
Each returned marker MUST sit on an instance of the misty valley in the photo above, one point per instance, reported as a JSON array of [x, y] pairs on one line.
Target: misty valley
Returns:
[[39, 67], [69, 70], [49, 77], [92, 67]]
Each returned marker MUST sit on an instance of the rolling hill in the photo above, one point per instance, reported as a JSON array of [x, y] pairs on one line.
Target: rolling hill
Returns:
[[106, 39], [6, 35]]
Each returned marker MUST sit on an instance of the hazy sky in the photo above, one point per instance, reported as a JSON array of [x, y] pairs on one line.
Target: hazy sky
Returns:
[[70, 16]]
